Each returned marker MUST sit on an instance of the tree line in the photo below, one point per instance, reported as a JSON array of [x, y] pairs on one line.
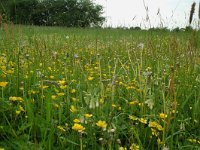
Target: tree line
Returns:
[[70, 13]]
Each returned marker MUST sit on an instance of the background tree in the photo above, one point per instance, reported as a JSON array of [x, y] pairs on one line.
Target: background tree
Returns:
[[71, 13]]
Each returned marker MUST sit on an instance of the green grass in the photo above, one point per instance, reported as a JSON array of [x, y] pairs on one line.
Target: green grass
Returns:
[[144, 85]]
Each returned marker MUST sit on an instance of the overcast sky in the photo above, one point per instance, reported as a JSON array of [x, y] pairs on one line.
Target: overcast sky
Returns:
[[129, 13]]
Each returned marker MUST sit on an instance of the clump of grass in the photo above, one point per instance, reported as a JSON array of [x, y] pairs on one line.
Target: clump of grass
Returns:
[[192, 12]]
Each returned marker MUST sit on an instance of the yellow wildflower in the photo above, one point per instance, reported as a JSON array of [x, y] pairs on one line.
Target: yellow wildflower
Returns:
[[17, 112], [73, 109], [3, 84], [60, 94], [13, 98], [61, 128], [133, 103], [102, 124], [154, 132], [88, 115], [122, 148], [162, 115], [142, 120], [53, 97], [154, 124], [63, 87], [62, 82], [90, 78], [134, 147], [52, 77], [132, 117], [78, 127], [49, 68], [192, 140], [114, 105], [21, 108], [76, 120], [56, 105], [72, 91], [44, 86]]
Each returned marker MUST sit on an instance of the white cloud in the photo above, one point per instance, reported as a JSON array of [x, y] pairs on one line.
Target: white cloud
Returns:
[[172, 12]]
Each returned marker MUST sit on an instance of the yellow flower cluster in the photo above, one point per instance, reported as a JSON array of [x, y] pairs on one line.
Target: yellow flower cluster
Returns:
[[154, 124], [21, 109], [15, 99], [134, 147], [196, 141]]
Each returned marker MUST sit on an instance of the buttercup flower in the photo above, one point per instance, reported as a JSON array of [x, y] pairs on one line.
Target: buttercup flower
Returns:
[[102, 124], [78, 127], [162, 115], [88, 115], [3, 84]]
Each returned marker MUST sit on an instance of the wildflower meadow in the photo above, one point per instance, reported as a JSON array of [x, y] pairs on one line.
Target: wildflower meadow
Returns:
[[69, 88]]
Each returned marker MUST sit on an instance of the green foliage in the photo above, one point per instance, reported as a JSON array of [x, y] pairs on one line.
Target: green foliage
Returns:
[[70, 13]]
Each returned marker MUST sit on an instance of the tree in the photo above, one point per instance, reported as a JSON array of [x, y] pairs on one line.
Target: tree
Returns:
[[71, 13]]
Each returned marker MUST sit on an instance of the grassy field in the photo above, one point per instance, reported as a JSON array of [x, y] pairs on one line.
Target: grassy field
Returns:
[[93, 89]]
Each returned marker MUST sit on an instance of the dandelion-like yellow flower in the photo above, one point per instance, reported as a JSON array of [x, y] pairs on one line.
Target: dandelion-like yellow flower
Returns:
[[53, 97], [114, 105], [52, 77], [3, 84], [63, 87], [13, 98], [61, 128], [134, 147], [122, 148], [76, 120], [132, 117], [88, 115], [62, 82], [60, 94], [154, 124], [154, 132], [142, 120], [73, 109], [44, 87], [133, 103], [2, 148], [56, 105], [78, 127], [21, 108], [102, 124], [90, 78], [17, 112], [162, 115], [72, 91]]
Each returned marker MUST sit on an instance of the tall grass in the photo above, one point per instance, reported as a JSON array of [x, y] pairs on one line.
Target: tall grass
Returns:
[[98, 89]]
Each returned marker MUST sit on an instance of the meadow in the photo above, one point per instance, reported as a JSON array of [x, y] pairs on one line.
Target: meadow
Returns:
[[68, 88]]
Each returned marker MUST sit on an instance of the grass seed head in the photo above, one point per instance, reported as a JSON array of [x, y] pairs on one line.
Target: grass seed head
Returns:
[[192, 12]]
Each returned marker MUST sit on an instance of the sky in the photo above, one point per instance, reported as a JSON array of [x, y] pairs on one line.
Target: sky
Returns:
[[130, 13]]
